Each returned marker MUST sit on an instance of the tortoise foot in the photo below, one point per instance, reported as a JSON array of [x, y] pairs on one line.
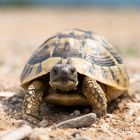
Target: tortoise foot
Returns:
[[33, 120], [99, 112], [95, 95]]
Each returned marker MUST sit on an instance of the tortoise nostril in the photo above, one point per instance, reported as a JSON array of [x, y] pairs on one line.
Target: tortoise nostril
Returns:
[[55, 70]]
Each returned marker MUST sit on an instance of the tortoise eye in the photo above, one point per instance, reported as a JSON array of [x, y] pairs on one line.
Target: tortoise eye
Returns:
[[72, 70]]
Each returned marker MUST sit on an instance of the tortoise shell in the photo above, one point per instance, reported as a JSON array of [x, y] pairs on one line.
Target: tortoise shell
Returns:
[[90, 53]]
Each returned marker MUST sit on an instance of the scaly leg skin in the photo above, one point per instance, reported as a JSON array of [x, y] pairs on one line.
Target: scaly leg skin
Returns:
[[95, 95], [32, 102]]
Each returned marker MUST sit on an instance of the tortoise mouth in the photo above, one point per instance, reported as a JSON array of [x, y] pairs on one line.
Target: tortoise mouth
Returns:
[[64, 85]]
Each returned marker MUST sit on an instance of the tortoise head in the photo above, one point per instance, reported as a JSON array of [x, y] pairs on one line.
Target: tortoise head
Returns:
[[63, 77]]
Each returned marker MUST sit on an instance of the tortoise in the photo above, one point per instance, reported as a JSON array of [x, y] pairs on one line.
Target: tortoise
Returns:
[[73, 67]]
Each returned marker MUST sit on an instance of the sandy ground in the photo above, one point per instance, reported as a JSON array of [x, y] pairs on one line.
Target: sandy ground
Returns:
[[23, 30]]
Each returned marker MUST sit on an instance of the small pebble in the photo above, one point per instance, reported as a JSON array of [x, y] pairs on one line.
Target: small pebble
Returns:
[[83, 138], [57, 138], [109, 115], [84, 129], [105, 127], [76, 134], [131, 113], [77, 113], [72, 114], [137, 120], [43, 123]]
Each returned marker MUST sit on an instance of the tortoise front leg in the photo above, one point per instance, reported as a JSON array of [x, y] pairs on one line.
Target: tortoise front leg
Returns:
[[32, 102], [95, 96]]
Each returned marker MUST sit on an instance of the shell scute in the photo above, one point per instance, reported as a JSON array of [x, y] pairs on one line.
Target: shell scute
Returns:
[[90, 53]]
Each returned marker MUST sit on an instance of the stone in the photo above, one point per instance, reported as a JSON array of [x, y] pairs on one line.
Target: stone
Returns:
[[79, 122], [17, 134], [39, 134], [76, 113], [137, 120], [83, 138], [43, 123]]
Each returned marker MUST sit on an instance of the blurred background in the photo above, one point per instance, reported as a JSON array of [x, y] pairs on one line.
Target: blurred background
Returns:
[[25, 24]]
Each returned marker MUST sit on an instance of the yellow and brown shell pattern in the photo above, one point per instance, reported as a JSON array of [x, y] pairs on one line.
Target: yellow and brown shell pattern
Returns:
[[90, 53]]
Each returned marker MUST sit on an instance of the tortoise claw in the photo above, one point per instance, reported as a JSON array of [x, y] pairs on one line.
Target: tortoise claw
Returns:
[[99, 112], [34, 120]]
